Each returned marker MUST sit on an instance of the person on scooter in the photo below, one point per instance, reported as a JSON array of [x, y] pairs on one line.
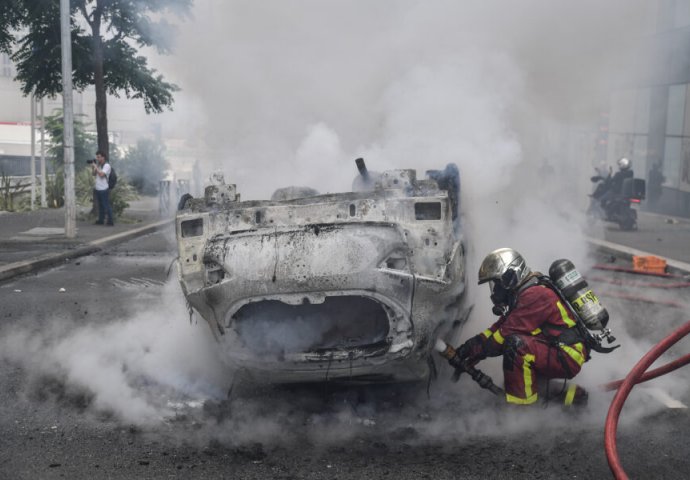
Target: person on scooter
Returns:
[[535, 333], [616, 184], [624, 171]]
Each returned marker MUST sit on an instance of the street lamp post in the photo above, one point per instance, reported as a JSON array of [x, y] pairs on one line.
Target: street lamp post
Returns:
[[33, 151], [44, 200], [68, 133]]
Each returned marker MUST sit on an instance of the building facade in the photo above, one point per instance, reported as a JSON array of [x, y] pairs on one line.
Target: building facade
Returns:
[[650, 111], [127, 121]]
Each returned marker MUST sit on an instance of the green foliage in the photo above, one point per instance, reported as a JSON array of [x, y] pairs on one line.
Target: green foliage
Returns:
[[106, 36], [11, 15], [84, 182], [84, 142], [118, 25], [55, 188], [84, 148], [144, 166], [119, 196], [5, 195]]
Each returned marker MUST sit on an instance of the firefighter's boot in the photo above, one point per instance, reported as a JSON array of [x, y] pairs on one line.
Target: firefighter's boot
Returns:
[[573, 397]]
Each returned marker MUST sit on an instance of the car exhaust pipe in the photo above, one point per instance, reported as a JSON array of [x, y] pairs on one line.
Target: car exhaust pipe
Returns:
[[362, 167]]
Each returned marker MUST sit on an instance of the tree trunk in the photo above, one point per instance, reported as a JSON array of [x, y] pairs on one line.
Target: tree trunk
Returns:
[[101, 95]]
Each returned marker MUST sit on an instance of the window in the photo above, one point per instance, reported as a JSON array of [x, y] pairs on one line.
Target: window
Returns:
[[675, 113], [639, 155], [6, 69], [192, 228], [686, 129], [672, 153], [685, 166], [427, 211]]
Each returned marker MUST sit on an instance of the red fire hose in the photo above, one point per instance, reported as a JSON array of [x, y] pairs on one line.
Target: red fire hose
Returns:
[[657, 372], [636, 375]]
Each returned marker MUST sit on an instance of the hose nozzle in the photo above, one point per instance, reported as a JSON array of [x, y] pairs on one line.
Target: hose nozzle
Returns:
[[461, 366], [444, 349]]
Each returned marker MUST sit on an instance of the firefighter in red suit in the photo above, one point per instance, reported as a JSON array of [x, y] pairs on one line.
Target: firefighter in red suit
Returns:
[[535, 333]]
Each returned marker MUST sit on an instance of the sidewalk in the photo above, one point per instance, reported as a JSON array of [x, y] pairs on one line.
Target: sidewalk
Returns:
[[33, 240]]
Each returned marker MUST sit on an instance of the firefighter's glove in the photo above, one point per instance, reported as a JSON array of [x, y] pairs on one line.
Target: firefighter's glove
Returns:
[[469, 353]]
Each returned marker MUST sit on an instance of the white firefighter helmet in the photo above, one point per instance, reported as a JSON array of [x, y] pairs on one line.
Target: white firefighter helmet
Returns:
[[504, 266], [624, 163]]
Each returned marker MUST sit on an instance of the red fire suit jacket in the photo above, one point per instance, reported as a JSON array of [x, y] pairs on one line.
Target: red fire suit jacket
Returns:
[[538, 313]]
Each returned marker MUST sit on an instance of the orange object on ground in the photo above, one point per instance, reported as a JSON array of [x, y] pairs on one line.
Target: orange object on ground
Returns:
[[649, 264]]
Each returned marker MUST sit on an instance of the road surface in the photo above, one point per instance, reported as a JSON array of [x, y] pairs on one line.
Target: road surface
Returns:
[[104, 376]]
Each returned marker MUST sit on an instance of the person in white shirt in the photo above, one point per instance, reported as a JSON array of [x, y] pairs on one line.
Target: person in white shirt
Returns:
[[101, 170]]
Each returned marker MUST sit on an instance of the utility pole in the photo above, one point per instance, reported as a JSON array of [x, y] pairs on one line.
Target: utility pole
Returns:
[[44, 200], [33, 151], [68, 133]]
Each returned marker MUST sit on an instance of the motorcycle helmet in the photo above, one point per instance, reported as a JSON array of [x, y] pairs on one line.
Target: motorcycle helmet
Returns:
[[624, 163]]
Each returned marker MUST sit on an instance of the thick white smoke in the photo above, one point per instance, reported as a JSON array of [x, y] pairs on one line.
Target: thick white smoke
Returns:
[[293, 92], [282, 93], [136, 369]]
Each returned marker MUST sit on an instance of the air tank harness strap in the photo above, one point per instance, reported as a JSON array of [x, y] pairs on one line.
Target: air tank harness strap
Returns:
[[589, 340], [579, 333], [564, 363], [568, 336]]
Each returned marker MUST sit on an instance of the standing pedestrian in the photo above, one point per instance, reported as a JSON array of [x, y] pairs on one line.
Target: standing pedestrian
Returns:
[[101, 170]]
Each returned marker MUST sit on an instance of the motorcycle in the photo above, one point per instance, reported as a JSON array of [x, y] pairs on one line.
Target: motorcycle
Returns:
[[616, 207]]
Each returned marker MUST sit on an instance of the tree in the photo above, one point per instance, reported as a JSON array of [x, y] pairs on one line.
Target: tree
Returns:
[[84, 148], [103, 55], [10, 20], [84, 143]]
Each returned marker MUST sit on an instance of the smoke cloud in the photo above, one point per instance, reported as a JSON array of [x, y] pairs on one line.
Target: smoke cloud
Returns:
[[133, 369], [289, 93], [301, 89]]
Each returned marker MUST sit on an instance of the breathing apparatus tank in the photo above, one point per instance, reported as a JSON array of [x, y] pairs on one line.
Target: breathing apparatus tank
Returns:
[[577, 292]]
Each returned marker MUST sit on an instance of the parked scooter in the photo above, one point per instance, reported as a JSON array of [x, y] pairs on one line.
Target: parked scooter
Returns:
[[616, 207]]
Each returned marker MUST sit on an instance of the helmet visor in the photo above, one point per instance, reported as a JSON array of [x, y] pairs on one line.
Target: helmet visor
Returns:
[[492, 286]]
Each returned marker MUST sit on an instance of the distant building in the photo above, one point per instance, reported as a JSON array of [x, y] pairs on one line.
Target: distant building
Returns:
[[650, 109], [127, 121]]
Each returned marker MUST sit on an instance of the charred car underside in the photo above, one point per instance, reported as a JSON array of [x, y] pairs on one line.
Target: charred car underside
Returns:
[[307, 287]]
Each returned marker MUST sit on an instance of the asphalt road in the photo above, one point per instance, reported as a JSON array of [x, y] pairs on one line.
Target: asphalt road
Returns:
[[110, 379], [668, 236]]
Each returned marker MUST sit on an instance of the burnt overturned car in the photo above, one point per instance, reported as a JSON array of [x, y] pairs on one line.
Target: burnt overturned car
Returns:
[[310, 287]]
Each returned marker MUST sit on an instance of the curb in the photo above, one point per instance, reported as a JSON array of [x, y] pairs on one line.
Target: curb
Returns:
[[674, 266], [51, 259]]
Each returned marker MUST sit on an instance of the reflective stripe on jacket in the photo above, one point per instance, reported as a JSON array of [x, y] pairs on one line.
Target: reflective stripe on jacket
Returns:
[[539, 313]]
